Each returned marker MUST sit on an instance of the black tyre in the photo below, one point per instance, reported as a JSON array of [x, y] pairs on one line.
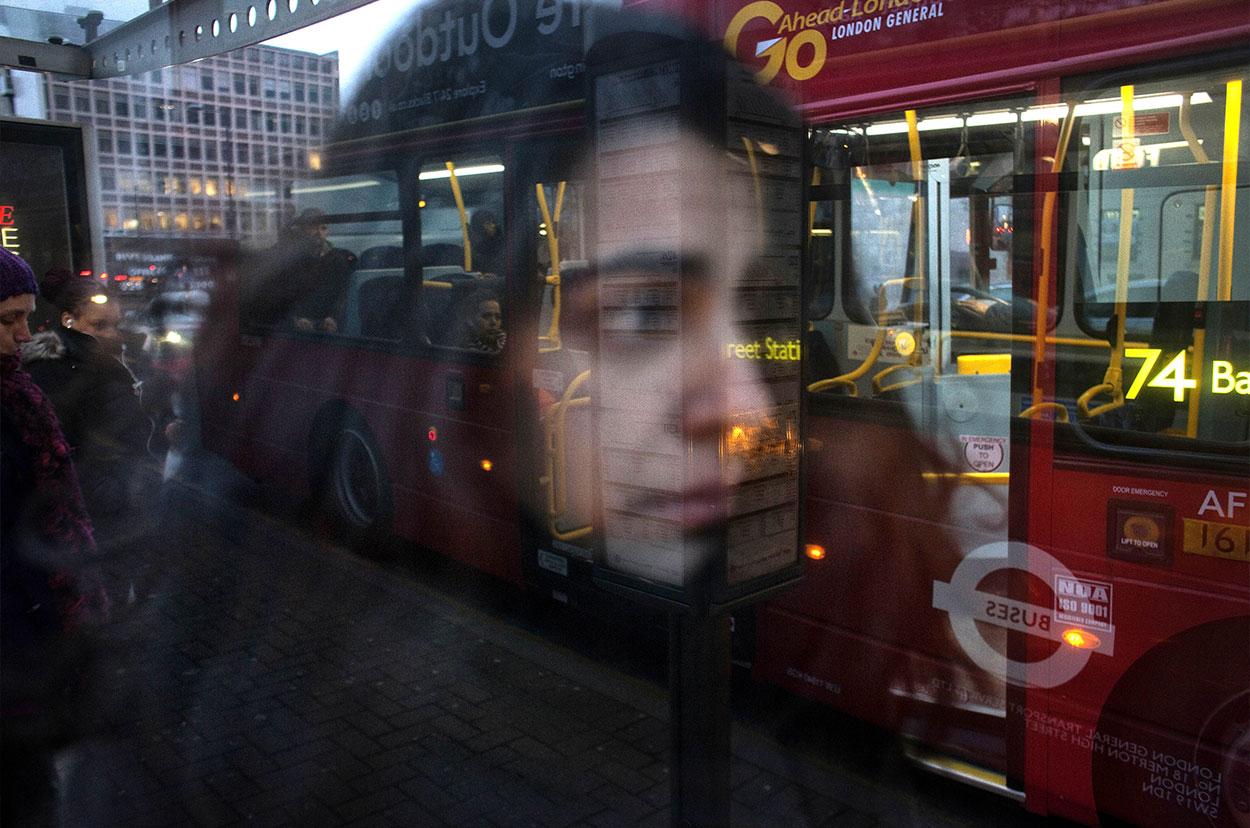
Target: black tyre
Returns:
[[355, 489]]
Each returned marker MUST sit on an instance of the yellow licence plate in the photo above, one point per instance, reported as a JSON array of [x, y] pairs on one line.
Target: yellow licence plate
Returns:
[[1217, 540]]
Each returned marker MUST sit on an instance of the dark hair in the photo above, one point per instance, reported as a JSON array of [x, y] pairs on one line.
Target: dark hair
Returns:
[[469, 305], [312, 217], [73, 294]]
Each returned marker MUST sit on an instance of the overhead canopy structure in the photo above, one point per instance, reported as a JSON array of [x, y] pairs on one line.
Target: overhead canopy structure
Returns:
[[169, 33]]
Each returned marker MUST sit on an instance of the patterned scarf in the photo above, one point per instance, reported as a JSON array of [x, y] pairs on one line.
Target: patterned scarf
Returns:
[[62, 518]]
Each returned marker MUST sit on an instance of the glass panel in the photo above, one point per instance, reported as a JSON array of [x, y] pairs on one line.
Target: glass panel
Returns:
[[921, 248]]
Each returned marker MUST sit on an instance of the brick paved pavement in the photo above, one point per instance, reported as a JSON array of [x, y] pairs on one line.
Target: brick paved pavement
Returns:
[[264, 680]]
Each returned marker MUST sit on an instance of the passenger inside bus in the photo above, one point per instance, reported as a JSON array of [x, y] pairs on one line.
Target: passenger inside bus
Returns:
[[486, 242], [321, 271], [480, 325]]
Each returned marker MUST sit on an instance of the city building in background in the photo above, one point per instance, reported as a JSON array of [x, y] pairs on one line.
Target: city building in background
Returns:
[[189, 159], [208, 149]]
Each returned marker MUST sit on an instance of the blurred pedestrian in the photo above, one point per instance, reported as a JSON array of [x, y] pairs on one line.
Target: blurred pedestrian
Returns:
[[47, 605], [98, 400]]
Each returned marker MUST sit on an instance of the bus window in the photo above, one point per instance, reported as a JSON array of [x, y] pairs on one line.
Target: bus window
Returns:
[[362, 221], [336, 266], [463, 252], [562, 377], [1160, 259], [562, 256], [921, 223]]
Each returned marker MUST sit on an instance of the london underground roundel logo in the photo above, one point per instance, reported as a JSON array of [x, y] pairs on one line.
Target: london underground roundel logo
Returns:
[[1077, 601]]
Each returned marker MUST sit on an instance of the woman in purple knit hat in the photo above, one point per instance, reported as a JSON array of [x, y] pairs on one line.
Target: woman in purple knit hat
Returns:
[[45, 534]]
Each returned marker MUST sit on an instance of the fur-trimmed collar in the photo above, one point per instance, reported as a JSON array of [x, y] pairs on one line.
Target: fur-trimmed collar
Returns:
[[44, 345]]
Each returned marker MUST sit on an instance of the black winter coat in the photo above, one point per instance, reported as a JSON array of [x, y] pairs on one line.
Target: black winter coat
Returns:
[[98, 402]]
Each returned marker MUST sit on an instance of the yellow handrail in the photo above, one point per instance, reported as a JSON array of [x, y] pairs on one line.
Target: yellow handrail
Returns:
[[1060, 412], [968, 478], [848, 380], [1228, 189], [1050, 340], [877, 380], [556, 457], [1113, 380], [552, 337], [1204, 258], [464, 218], [919, 234], [1049, 210]]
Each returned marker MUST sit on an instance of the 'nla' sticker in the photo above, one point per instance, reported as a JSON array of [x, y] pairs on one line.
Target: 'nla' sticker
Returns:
[[965, 605]]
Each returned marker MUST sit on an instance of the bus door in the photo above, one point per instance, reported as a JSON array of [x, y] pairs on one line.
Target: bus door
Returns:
[[1138, 706], [914, 312], [560, 383]]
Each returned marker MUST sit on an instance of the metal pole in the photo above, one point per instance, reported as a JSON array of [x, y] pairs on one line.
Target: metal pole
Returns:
[[699, 696]]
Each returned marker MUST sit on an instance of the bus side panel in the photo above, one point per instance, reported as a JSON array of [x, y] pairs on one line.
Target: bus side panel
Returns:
[[1148, 732], [968, 47], [860, 630], [454, 470], [445, 498]]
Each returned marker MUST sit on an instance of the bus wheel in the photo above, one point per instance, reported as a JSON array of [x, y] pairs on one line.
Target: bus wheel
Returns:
[[355, 490]]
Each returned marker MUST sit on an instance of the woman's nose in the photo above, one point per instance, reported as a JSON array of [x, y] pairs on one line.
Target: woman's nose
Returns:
[[726, 389]]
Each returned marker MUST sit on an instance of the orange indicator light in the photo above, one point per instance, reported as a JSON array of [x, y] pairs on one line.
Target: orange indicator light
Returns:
[[234, 397], [487, 465], [815, 552], [1081, 640]]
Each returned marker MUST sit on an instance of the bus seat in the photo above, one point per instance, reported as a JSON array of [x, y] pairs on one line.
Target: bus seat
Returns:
[[381, 256], [444, 273], [380, 304], [442, 254], [368, 291]]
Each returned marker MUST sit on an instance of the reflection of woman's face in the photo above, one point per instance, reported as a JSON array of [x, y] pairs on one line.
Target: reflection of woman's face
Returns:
[[668, 386], [98, 320], [489, 318]]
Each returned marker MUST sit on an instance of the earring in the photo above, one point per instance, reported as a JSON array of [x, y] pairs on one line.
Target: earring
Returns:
[[69, 323]]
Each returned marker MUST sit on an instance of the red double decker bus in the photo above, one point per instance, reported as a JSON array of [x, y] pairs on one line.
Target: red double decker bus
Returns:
[[1026, 354], [1026, 258]]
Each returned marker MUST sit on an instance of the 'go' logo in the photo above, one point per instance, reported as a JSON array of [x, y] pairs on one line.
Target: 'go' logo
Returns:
[[778, 49]]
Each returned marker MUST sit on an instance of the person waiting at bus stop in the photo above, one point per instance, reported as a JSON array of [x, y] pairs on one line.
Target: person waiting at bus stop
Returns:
[[47, 602], [98, 400]]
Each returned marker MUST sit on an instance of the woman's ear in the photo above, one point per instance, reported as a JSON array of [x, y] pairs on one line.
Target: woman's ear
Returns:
[[67, 319]]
